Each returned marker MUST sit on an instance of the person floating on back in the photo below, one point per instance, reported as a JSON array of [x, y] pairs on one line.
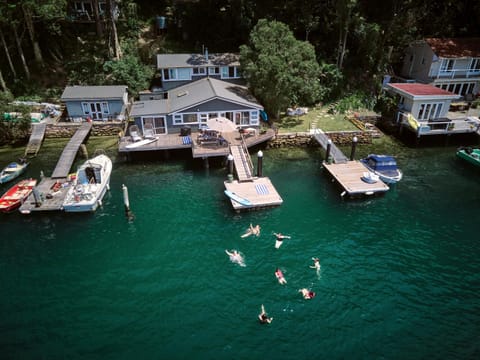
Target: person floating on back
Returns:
[[252, 230], [281, 279], [263, 317], [279, 239]]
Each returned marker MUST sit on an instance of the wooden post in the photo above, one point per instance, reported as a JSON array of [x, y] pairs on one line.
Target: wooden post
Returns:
[[83, 149], [230, 164], [329, 147], [259, 163], [206, 165], [354, 146], [126, 202]]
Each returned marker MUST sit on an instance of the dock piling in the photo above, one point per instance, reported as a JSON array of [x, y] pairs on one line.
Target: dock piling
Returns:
[[259, 163], [329, 147], [354, 146], [126, 202]]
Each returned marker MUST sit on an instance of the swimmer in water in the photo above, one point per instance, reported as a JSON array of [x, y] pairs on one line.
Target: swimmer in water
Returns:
[[235, 257], [279, 239], [263, 317], [252, 230], [307, 294], [316, 264], [279, 275]]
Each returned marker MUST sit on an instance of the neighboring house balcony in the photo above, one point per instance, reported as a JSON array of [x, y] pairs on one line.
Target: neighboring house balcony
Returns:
[[464, 73]]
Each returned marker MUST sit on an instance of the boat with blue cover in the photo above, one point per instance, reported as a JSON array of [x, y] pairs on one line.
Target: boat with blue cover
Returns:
[[385, 166]]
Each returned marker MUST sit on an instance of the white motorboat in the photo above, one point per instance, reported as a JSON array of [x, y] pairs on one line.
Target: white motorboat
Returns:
[[89, 186], [384, 166]]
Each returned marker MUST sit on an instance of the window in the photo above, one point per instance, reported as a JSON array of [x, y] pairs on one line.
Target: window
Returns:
[[105, 109], [475, 65], [230, 72], [430, 111], [214, 70], [254, 117], [199, 71], [177, 119], [190, 118], [85, 108], [447, 65], [183, 74], [242, 118], [158, 124], [176, 74]]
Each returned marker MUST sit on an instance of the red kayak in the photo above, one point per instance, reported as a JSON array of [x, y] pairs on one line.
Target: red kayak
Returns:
[[16, 195]]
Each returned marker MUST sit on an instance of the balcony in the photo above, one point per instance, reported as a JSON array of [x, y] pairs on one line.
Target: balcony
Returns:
[[455, 74]]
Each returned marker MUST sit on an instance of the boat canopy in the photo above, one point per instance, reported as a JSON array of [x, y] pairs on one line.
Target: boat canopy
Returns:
[[381, 162]]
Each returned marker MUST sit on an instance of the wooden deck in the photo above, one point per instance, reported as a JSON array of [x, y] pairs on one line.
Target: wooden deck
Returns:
[[69, 153], [260, 192], [175, 141], [50, 201], [242, 162], [36, 139], [349, 175]]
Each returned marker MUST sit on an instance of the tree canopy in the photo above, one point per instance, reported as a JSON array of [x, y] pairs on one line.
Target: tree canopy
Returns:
[[280, 70]]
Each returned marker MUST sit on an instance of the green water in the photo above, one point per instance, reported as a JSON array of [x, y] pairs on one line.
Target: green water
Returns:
[[399, 274]]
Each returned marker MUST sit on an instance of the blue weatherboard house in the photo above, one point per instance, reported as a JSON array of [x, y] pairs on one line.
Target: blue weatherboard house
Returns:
[[99, 103], [191, 105]]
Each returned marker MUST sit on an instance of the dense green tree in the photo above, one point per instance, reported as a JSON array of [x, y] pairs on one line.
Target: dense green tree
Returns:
[[128, 70], [281, 70]]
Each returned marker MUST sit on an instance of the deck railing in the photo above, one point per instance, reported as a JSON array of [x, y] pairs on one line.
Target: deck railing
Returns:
[[438, 126]]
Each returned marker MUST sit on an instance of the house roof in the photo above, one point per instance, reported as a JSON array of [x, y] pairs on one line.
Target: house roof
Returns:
[[417, 90], [196, 60], [93, 92], [455, 47], [194, 94]]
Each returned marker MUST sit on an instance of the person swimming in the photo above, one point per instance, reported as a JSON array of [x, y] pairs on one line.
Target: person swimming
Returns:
[[252, 230], [307, 294], [279, 239], [316, 264], [279, 275], [236, 257], [263, 317]]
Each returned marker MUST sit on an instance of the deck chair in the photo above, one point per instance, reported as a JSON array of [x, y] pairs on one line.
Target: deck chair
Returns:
[[135, 133], [148, 132]]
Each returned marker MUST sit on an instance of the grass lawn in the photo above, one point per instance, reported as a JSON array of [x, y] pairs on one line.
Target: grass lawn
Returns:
[[316, 117]]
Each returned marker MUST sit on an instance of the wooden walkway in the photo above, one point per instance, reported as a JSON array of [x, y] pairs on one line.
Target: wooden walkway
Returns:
[[337, 155], [243, 162], [65, 162], [349, 176], [36, 139]]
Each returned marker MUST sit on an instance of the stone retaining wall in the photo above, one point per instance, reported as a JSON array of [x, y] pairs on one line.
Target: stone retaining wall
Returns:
[[305, 139], [67, 130]]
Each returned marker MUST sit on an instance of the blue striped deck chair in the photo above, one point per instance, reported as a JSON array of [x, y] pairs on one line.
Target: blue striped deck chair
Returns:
[[186, 140], [261, 189]]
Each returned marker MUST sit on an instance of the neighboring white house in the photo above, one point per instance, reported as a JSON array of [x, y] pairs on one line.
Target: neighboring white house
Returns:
[[451, 64], [424, 109]]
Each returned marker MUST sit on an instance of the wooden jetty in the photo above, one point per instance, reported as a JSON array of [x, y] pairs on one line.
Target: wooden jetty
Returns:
[[36, 139], [349, 176], [242, 162], [259, 191], [69, 153], [45, 196], [348, 173], [337, 155]]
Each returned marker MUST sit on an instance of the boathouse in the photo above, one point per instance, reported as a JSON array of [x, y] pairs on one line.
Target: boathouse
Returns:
[[95, 102], [425, 110]]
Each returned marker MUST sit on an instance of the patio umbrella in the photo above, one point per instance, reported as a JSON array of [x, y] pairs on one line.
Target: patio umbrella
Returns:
[[221, 124]]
